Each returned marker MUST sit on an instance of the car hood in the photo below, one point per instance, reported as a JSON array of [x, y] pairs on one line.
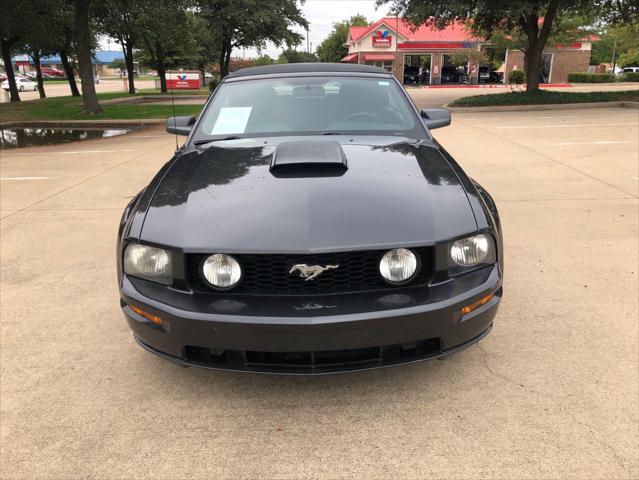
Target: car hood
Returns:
[[227, 199]]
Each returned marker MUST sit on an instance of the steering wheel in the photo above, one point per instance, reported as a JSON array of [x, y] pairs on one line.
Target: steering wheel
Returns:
[[367, 115]]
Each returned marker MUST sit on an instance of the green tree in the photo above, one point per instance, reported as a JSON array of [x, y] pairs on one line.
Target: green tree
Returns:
[[332, 48], [264, 60], [206, 54], [620, 42], [66, 40], [619, 12], [630, 58], [10, 34], [124, 21], [118, 64], [293, 56], [39, 35], [84, 33], [168, 37], [250, 23], [530, 20]]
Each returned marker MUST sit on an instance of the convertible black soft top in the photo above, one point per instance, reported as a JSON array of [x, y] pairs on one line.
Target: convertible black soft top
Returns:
[[307, 68]]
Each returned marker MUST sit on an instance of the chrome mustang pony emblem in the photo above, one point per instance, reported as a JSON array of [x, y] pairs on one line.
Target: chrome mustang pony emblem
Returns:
[[309, 272]]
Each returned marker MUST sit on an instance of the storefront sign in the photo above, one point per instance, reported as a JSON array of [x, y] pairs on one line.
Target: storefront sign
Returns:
[[183, 80], [382, 39]]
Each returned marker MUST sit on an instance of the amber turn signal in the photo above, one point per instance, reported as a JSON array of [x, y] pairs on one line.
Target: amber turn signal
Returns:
[[477, 304], [155, 319]]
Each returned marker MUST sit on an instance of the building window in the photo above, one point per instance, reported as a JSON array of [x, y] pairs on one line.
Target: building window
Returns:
[[386, 65]]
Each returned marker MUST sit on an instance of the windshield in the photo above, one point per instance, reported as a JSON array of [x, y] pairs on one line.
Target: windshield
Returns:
[[308, 105]]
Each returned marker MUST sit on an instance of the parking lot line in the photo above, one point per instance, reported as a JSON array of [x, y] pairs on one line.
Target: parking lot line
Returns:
[[76, 152], [592, 115], [568, 125], [559, 162], [601, 142], [26, 178], [87, 179]]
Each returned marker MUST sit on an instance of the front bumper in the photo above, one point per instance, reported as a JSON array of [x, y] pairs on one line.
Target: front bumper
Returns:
[[319, 334]]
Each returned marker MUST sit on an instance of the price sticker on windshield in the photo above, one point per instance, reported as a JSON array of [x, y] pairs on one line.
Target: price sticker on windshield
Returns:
[[231, 120]]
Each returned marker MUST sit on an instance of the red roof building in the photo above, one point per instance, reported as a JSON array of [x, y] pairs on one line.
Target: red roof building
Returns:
[[428, 55]]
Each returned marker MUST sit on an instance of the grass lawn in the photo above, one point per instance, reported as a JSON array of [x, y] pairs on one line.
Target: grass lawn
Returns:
[[544, 97], [69, 108]]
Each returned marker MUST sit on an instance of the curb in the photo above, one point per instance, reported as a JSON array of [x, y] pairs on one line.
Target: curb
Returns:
[[553, 106], [84, 123]]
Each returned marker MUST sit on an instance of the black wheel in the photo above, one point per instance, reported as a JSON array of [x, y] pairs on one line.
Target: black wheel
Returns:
[[22, 88]]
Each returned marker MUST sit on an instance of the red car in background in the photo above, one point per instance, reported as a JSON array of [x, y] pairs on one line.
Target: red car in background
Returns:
[[52, 72]]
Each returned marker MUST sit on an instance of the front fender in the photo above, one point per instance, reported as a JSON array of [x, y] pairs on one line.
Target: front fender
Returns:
[[490, 208]]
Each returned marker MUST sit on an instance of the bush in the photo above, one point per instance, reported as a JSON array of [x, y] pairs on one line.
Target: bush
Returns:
[[213, 84], [590, 77], [516, 76], [630, 77], [541, 97]]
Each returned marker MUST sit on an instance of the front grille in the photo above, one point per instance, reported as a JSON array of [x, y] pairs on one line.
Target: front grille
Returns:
[[266, 274], [314, 361]]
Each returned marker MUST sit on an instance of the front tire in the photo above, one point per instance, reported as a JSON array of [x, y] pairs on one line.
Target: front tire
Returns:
[[35, 89], [22, 88]]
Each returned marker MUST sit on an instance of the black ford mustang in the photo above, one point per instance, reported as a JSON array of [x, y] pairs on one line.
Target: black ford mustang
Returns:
[[309, 224]]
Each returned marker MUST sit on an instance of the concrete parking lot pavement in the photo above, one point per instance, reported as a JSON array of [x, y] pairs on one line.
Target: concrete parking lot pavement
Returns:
[[552, 392]]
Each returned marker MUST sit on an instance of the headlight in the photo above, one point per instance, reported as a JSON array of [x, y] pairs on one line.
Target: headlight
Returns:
[[148, 262], [472, 251], [398, 266], [221, 271]]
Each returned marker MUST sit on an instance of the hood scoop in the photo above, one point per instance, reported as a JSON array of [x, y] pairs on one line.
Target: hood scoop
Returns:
[[308, 158]]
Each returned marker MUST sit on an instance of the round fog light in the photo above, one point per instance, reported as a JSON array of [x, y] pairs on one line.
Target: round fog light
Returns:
[[221, 271], [398, 266]]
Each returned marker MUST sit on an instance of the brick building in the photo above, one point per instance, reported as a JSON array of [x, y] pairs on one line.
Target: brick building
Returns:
[[427, 55]]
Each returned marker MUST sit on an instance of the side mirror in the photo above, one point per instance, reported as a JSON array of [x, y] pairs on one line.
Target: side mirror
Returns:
[[436, 117], [180, 125]]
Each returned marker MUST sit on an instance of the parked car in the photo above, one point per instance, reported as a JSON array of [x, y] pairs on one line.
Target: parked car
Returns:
[[630, 70], [451, 74], [486, 75], [412, 75], [22, 83], [52, 72], [309, 224]]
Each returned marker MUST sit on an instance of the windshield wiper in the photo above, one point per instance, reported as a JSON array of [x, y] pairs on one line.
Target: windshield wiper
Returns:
[[203, 142]]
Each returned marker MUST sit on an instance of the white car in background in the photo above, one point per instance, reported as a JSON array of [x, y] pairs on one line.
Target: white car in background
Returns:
[[22, 83]]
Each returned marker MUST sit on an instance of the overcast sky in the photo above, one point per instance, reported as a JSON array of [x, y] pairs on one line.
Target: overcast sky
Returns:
[[321, 14]]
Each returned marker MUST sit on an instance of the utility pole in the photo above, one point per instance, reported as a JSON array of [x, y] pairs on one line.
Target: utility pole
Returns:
[[396, 62], [614, 51], [308, 45]]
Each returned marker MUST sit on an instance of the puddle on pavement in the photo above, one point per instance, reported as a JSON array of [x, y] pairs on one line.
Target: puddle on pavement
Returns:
[[32, 137]]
